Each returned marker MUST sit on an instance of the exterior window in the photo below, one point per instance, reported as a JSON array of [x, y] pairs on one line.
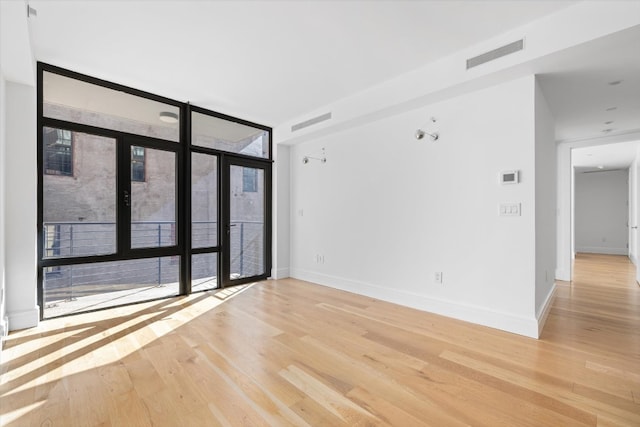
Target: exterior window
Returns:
[[58, 152], [249, 180], [52, 246], [137, 164], [52, 240]]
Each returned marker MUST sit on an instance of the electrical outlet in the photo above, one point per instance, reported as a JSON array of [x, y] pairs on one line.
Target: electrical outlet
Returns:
[[437, 277]]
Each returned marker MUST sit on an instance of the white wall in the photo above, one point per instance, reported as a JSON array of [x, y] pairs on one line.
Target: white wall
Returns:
[[633, 209], [601, 212], [281, 209], [545, 204], [634, 213], [20, 208], [18, 167], [3, 157], [387, 211]]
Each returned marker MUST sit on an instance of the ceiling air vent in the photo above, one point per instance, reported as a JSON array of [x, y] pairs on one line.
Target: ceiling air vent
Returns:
[[310, 122], [495, 53]]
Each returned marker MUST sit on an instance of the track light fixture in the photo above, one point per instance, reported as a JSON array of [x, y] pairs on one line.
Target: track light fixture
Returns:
[[420, 133], [307, 159]]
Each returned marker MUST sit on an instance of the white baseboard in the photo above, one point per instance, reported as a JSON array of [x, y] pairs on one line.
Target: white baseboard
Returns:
[[280, 273], [602, 250], [24, 319], [562, 274], [4, 327], [509, 322], [544, 310]]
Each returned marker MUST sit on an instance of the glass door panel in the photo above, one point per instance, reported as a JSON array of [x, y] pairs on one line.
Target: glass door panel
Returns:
[[204, 200], [204, 271], [153, 197], [76, 288], [224, 135], [79, 194], [246, 225]]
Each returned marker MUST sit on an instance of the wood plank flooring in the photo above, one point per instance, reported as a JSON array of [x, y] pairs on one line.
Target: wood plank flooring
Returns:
[[290, 353]]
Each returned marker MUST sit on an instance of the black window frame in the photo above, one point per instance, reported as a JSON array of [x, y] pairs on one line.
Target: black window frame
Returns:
[[249, 180], [138, 164], [183, 149], [64, 165]]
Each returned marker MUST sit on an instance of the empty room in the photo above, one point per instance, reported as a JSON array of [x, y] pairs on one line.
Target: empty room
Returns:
[[306, 213]]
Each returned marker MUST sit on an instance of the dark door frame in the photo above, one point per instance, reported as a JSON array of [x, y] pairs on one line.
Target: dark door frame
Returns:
[[225, 187]]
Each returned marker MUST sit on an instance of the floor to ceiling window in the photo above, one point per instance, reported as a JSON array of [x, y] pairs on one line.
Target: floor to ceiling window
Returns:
[[141, 197]]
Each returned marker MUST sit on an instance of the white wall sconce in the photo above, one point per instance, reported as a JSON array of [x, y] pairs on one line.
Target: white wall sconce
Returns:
[[307, 159], [420, 133]]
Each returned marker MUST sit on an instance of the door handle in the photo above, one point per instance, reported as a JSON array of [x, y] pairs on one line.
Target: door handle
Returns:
[[635, 228], [229, 228]]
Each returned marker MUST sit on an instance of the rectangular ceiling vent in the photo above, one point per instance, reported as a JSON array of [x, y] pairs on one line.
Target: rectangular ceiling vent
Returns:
[[310, 122], [495, 54]]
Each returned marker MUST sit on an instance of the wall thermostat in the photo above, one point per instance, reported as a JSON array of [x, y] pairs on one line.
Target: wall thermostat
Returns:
[[509, 177]]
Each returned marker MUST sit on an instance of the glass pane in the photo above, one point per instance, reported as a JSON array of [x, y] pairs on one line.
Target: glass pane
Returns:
[[153, 199], [247, 224], [225, 135], [79, 194], [80, 102], [204, 272], [77, 288], [204, 200]]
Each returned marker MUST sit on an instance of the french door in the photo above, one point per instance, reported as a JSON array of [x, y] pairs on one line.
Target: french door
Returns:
[[246, 206], [141, 197], [110, 219]]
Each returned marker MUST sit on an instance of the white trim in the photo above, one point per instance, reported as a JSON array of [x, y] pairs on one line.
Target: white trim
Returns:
[[509, 322], [24, 319], [543, 312], [280, 273], [602, 250], [611, 138], [4, 327], [562, 274]]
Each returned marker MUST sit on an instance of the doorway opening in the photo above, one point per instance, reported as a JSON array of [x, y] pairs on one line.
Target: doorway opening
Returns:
[[604, 202]]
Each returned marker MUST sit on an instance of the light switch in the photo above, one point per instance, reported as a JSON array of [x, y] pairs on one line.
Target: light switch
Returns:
[[510, 209]]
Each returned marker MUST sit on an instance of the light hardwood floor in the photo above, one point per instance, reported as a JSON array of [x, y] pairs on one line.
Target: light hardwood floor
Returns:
[[292, 353]]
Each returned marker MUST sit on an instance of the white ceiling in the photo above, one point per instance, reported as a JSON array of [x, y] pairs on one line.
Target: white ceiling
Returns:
[[272, 61], [578, 86], [604, 157], [266, 61], [586, 106]]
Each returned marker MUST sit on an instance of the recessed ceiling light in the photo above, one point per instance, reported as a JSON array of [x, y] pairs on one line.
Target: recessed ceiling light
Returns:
[[615, 82], [608, 122], [589, 154], [168, 117], [611, 108], [607, 130], [600, 167]]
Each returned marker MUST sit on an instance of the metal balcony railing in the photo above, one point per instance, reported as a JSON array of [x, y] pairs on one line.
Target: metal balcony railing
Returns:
[[82, 238]]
